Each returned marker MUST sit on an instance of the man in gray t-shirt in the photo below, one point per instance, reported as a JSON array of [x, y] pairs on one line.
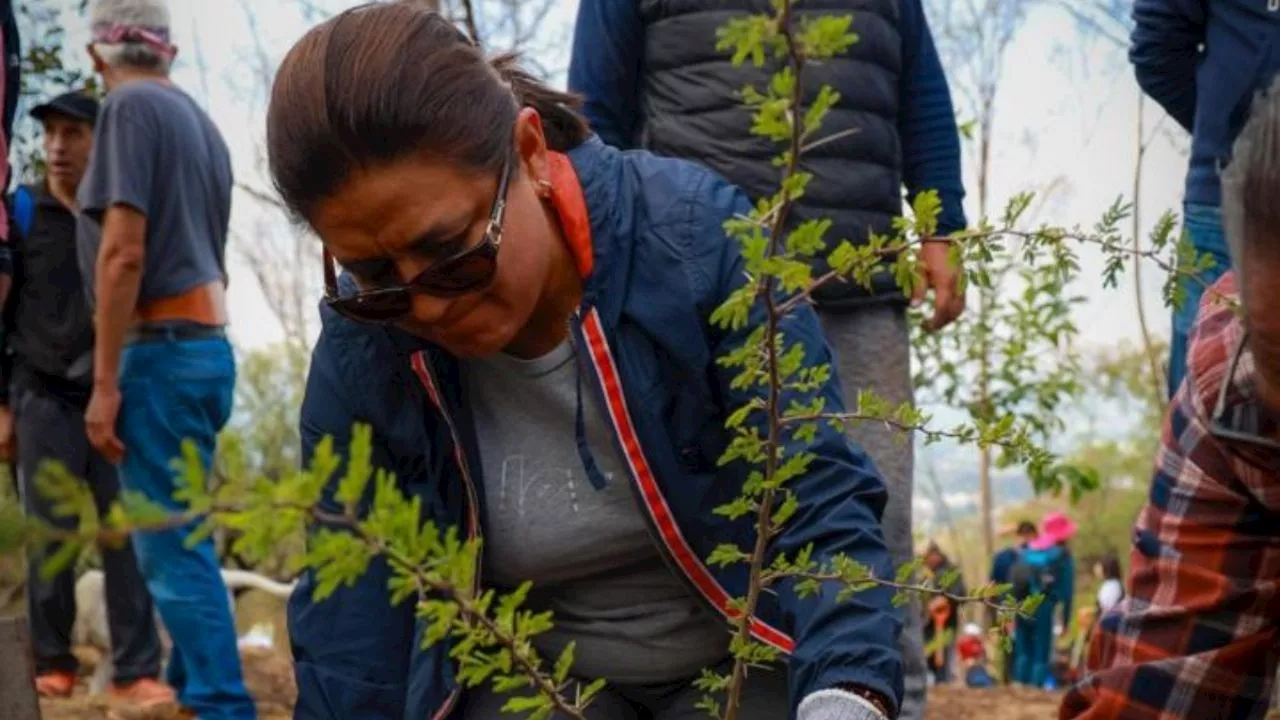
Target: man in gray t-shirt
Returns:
[[151, 239], [160, 152]]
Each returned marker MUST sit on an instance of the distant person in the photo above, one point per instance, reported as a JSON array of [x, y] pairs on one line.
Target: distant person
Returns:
[[46, 355], [652, 77], [973, 659], [1026, 532], [1045, 567], [1111, 582], [942, 615], [1203, 62], [1197, 636], [1110, 577], [1000, 566], [154, 206]]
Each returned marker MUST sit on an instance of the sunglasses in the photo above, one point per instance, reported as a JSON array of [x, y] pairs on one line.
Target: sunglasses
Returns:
[[1247, 428], [466, 272]]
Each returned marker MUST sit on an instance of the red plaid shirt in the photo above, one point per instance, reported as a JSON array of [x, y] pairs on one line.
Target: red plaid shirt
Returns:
[[1196, 637]]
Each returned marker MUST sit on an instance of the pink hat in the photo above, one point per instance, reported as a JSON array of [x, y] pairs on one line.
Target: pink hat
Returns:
[[1055, 528]]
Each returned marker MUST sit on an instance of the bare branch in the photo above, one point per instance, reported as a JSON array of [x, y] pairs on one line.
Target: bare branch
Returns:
[[261, 196]]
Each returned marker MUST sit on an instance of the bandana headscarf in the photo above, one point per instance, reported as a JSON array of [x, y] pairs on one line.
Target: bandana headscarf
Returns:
[[113, 34]]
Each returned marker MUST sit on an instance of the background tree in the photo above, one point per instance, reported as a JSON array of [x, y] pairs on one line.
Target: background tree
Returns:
[[1124, 417]]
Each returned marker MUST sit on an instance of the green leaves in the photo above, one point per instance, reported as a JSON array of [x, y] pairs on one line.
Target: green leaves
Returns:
[[564, 664], [725, 555], [338, 558], [359, 468], [734, 312], [749, 37]]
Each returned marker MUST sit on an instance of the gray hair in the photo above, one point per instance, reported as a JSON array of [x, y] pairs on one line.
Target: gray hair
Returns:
[[1251, 188], [133, 13]]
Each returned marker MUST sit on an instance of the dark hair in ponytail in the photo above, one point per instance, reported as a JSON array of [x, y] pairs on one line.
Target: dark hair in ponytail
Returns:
[[384, 81], [565, 128]]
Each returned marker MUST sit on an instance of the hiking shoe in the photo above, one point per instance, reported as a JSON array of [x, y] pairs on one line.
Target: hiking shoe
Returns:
[[144, 694], [56, 684]]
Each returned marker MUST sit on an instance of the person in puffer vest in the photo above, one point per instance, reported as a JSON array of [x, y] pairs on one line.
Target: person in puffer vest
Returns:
[[652, 78]]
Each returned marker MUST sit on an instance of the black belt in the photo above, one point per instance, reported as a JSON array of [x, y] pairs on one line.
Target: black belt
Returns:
[[174, 332]]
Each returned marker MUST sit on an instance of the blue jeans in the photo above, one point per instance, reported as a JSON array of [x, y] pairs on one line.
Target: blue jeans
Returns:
[[1033, 646], [173, 390], [1203, 224]]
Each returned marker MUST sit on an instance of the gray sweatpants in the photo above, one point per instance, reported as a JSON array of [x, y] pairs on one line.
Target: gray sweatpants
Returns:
[[872, 352]]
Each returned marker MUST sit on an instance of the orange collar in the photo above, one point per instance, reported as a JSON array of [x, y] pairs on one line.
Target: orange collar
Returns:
[[571, 207]]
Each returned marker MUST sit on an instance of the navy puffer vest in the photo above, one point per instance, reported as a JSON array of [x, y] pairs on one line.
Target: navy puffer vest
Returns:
[[693, 109]]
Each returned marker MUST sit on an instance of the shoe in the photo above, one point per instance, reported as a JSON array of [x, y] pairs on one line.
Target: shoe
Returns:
[[144, 694], [56, 684]]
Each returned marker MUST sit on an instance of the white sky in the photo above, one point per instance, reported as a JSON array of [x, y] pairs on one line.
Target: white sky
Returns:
[[1055, 121]]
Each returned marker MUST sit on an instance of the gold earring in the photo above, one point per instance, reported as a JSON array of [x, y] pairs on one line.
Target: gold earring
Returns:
[[544, 188]]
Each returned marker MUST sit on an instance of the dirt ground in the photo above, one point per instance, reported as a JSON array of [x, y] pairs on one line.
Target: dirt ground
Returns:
[[268, 674], [269, 677], [944, 704], [959, 703]]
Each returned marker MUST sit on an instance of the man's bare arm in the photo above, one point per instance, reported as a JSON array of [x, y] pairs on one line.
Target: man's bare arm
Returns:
[[118, 278]]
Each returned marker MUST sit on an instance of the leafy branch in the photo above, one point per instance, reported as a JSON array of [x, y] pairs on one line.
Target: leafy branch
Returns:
[[785, 386], [367, 517]]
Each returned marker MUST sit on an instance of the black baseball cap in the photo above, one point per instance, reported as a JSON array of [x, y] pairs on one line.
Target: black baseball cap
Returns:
[[76, 105]]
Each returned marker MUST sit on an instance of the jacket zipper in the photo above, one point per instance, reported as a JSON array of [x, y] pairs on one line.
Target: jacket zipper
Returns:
[[654, 537], [427, 375], [668, 559], [692, 569]]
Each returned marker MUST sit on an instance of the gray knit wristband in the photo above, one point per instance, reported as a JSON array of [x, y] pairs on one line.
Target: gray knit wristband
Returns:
[[837, 704]]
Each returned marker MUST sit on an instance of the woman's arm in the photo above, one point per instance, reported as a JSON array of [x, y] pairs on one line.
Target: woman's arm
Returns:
[[352, 650], [850, 644]]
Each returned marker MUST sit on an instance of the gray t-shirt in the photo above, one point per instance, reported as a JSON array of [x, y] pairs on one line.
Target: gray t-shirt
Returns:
[[156, 151], [588, 552]]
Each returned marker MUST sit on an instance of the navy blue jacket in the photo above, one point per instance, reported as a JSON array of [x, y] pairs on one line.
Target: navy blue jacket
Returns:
[[1207, 91], [662, 264]]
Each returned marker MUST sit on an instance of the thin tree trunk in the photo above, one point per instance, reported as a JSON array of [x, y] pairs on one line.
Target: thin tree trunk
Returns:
[[944, 511], [1157, 372], [984, 312]]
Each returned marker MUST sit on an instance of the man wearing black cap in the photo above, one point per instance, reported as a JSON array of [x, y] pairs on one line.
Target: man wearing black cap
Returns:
[[45, 381]]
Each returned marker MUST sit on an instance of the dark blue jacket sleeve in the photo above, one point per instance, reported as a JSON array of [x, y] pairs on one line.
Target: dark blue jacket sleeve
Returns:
[[352, 650], [1165, 51], [841, 496], [927, 121], [608, 44]]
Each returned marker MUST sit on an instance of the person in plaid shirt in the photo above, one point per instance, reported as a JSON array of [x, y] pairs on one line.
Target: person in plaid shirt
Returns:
[[1197, 636]]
